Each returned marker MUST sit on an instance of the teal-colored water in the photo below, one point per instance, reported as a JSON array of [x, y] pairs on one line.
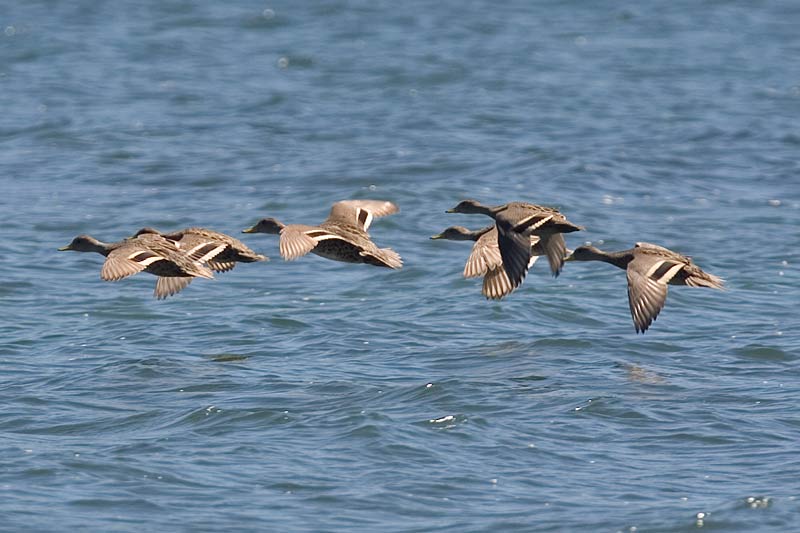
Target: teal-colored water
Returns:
[[320, 396]]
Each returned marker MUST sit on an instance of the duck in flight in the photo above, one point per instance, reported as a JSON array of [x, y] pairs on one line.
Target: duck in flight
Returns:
[[485, 259], [650, 268], [175, 267], [341, 237], [516, 223], [234, 251]]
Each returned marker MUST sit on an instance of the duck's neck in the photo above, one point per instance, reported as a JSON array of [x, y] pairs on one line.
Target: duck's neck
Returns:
[[102, 248], [490, 211], [478, 233], [618, 259]]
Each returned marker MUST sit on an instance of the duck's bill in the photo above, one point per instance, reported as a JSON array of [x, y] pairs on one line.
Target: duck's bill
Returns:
[[251, 229], [438, 236], [64, 248], [570, 255], [450, 211]]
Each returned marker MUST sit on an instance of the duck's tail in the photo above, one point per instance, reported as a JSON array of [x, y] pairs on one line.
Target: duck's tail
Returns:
[[704, 279], [383, 257]]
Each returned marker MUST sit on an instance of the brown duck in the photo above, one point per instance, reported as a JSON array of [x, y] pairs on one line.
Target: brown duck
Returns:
[[341, 237], [485, 259], [516, 222], [650, 269], [190, 239], [149, 253]]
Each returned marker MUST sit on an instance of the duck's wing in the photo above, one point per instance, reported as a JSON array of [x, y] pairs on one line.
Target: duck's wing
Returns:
[[485, 255], [218, 236], [167, 286], [187, 256], [665, 266], [360, 213], [532, 221], [127, 260], [648, 275], [646, 298], [555, 249], [298, 240], [515, 250], [234, 251], [538, 220], [199, 242], [200, 248], [496, 284], [221, 266]]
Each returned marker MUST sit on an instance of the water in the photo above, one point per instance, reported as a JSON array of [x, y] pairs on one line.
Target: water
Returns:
[[316, 395]]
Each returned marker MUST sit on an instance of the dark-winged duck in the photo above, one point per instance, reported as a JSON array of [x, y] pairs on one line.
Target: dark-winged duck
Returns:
[[516, 222], [485, 259]]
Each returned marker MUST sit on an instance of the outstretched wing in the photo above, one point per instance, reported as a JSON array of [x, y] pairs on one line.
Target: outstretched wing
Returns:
[[295, 243], [515, 249], [221, 266], [126, 261], [297, 240], [360, 213], [556, 250], [646, 298], [485, 256], [496, 284], [167, 286]]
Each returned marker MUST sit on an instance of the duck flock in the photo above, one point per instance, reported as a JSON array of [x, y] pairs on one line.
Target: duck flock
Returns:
[[502, 252]]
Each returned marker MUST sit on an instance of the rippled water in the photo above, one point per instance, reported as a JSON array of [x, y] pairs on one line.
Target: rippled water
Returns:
[[316, 395]]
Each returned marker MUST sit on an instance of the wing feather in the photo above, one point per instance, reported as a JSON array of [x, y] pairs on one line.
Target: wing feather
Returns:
[[515, 250], [295, 243], [646, 298], [360, 213], [496, 284], [485, 256], [167, 286], [221, 266], [121, 262], [556, 250]]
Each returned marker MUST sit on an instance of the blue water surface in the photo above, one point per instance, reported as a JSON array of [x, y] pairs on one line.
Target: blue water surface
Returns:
[[322, 396]]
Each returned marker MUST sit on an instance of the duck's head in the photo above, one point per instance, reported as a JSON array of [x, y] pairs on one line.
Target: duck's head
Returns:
[[460, 233], [265, 225], [468, 206], [454, 233], [83, 243], [583, 253]]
